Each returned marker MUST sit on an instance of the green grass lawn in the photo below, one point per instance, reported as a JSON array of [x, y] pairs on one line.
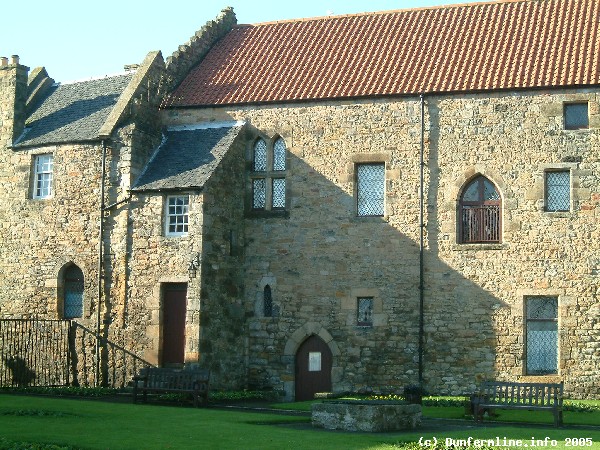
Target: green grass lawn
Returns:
[[94, 424]]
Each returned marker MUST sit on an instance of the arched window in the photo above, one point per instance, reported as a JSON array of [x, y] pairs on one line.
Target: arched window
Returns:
[[73, 293], [267, 302], [480, 212]]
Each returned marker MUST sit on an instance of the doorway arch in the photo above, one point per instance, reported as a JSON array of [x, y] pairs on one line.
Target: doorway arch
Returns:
[[292, 349], [313, 364]]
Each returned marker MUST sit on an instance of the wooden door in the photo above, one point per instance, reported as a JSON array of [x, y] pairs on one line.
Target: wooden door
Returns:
[[173, 324], [313, 368]]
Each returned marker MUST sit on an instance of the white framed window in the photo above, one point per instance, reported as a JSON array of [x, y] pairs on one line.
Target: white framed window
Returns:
[[558, 190], [177, 215], [43, 166], [370, 189]]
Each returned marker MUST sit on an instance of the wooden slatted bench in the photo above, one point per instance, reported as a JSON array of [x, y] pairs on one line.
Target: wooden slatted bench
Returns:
[[179, 381], [528, 396]]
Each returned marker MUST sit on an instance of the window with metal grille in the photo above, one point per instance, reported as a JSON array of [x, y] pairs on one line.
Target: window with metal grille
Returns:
[[576, 116], [480, 209], [267, 302], [279, 155], [558, 190], [370, 189], [364, 311], [177, 215], [541, 335], [268, 181], [43, 176], [73, 293]]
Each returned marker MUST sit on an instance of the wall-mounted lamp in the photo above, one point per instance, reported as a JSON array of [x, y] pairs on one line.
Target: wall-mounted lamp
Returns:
[[194, 266]]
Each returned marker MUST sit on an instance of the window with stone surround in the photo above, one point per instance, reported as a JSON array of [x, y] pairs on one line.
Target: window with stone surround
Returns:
[[43, 167], [364, 311], [576, 116], [267, 302], [370, 189], [177, 215], [480, 210], [557, 192], [541, 334], [268, 175], [73, 293]]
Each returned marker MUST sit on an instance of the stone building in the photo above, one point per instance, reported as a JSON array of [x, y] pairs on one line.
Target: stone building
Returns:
[[410, 198]]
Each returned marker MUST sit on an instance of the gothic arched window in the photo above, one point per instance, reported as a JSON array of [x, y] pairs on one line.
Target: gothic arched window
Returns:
[[73, 292], [480, 215], [267, 302]]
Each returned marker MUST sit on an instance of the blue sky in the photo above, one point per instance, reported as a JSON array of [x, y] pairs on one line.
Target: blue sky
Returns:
[[76, 40]]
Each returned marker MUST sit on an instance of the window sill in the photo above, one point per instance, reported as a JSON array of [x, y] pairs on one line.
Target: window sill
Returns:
[[265, 214], [475, 247], [558, 214]]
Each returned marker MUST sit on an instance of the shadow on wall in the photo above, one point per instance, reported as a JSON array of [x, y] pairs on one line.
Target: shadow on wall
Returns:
[[22, 375], [324, 257]]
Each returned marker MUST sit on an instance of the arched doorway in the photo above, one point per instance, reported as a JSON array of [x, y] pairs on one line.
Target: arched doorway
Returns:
[[313, 368]]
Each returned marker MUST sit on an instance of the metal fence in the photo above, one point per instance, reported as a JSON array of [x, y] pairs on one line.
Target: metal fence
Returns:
[[34, 352], [61, 353]]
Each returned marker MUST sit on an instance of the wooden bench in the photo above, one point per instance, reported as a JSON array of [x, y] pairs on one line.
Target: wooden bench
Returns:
[[528, 396], [178, 381]]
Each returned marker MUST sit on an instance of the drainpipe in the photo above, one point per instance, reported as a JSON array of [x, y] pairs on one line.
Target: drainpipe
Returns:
[[100, 263], [421, 241]]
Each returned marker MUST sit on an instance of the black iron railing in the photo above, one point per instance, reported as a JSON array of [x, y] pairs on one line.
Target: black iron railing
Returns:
[[36, 352]]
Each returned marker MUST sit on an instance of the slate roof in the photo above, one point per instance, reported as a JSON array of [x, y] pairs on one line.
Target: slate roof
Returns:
[[73, 112], [187, 157], [473, 47]]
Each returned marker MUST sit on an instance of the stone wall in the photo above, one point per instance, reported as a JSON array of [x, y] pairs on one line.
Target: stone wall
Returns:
[[320, 258]]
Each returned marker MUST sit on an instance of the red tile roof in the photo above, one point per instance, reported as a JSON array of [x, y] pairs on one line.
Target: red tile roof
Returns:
[[473, 47]]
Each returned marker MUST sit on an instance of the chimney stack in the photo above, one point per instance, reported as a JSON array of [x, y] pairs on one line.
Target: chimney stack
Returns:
[[13, 98]]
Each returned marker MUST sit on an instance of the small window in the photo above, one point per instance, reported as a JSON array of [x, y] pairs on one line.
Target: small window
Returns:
[[267, 302], [259, 193], [278, 193], [177, 215], [558, 191], [370, 189], [260, 156], [42, 176], [279, 155], [576, 116], [364, 312], [541, 335], [73, 293]]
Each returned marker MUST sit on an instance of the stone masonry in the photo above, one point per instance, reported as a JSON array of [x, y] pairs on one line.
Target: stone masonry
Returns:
[[321, 257]]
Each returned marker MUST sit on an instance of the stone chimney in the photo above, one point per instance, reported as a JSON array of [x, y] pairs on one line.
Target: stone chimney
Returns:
[[13, 98]]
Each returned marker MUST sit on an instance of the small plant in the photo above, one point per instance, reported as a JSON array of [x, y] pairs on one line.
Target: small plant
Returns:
[[244, 395], [414, 393]]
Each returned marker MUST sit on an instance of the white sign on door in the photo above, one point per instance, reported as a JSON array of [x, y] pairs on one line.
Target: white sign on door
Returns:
[[314, 361]]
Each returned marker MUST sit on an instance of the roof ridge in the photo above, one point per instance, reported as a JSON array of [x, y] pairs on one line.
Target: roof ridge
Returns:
[[379, 13]]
